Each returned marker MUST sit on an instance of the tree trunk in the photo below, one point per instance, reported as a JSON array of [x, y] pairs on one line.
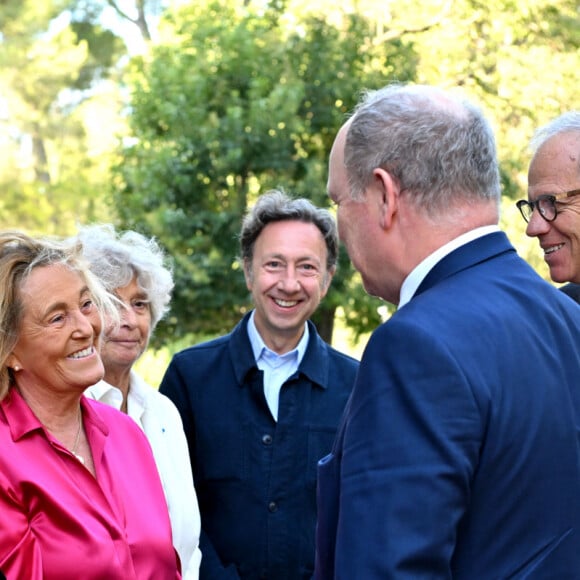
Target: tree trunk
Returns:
[[323, 318]]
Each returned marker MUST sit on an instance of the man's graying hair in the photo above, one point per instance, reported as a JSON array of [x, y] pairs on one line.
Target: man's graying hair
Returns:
[[276, 206], [439, 148], [566, 123]]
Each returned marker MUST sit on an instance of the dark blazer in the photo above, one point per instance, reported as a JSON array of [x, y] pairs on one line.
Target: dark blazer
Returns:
[[572, 290], [458, 456], [256, 478]]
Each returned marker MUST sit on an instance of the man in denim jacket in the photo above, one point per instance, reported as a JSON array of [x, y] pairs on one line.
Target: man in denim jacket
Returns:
[[260, 406]]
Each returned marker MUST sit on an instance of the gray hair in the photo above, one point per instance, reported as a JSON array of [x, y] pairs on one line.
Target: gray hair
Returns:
[[275, 206], [566, 123], [20, 254], [437, 146], [115, 258]]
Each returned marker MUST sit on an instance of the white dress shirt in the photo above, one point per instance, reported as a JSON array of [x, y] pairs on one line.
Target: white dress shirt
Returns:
[[276, 367], [159, 419], [419, 273]]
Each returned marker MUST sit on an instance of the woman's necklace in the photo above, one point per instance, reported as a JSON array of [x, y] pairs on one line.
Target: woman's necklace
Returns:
[[78, 438]]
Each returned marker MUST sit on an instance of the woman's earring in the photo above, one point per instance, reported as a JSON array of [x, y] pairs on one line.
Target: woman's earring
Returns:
[[16, 368]]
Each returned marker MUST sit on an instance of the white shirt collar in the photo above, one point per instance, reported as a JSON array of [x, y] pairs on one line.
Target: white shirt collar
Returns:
[[111, 395], [259, 346], [418, 274]]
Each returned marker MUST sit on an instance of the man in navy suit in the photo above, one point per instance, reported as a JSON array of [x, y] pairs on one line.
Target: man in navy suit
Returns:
[[458, 453]]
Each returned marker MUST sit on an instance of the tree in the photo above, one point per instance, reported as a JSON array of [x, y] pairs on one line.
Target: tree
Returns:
[[47, 69], [232, 104], [231, 98]]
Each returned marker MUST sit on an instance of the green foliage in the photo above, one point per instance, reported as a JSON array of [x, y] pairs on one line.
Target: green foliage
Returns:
[[104, 48], [236, 97], [517, 58], [50, 181], [231, 105]]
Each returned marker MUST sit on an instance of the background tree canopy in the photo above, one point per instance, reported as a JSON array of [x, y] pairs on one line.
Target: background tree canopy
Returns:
[[222, 100], [233, 103]]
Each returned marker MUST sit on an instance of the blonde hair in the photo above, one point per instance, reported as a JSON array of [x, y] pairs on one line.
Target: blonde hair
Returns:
[[20, 254]]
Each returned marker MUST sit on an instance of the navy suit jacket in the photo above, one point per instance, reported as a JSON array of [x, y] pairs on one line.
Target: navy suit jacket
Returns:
[[255, 478], [572, 290], [458, 454]]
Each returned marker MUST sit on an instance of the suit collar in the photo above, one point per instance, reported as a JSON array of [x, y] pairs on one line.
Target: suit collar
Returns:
[[470, 254]]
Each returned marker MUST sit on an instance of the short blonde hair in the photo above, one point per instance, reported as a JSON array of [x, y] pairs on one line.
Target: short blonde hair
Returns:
[[20, 254]]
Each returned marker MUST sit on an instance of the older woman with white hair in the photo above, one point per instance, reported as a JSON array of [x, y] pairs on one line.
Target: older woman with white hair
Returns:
[[133, 268]]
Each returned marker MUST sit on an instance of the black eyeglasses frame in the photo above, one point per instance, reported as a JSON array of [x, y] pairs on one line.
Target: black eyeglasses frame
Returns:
[[522, 204]]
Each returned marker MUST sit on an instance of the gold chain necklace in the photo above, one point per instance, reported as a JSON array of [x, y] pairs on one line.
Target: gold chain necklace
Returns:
[[77, 439]]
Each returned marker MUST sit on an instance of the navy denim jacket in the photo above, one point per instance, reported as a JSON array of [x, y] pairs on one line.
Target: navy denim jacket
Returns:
[[256, 479]]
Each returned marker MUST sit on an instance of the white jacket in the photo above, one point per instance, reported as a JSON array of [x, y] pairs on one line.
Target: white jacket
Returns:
[[160, 420]]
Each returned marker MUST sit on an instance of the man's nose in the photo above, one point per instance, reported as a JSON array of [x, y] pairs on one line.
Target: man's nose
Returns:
[[537, 225], [289, 281]]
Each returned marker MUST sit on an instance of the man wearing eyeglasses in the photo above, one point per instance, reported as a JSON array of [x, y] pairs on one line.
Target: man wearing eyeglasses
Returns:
[[552, 210]]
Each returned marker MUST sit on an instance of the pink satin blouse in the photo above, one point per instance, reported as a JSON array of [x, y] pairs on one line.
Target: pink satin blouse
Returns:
[[59, 522]]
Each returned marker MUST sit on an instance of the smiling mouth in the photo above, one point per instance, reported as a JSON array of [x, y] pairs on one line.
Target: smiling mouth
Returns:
[[82, 353], [285, 303], [552, 249]]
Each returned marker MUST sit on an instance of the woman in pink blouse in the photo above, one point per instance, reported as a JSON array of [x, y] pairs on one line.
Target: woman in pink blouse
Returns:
[[80, 495]]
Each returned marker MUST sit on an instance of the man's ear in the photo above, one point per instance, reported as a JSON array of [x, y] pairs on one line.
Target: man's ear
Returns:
[[387, 191], [327, 280], [248, 274]]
